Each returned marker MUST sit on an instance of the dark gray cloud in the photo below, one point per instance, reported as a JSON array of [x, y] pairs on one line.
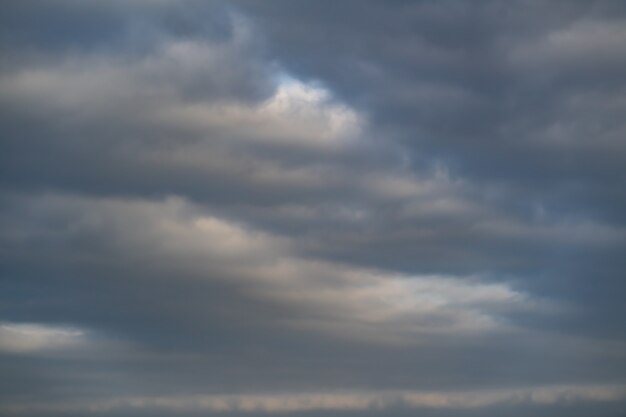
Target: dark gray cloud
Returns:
[[289, 207], [498, 92]]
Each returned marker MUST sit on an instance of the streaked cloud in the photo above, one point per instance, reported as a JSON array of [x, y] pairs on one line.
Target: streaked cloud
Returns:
[[307, 402], [32, 338]]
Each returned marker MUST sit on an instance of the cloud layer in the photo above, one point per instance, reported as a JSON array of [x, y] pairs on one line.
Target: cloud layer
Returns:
[[288, 207]]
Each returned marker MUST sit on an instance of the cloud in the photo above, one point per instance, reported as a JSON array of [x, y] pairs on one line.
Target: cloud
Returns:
[[451, 90], [583, 43], [296, 115], [286, 206], [304, 402], [29, 338], [330, 297]]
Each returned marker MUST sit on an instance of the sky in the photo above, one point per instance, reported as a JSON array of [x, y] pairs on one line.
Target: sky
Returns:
[[303, 208]]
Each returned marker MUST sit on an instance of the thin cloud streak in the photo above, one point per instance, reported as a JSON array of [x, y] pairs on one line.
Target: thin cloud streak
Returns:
[[380, 401]]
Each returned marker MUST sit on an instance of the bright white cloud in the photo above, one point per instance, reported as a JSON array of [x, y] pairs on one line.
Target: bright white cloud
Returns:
[[296, 115]]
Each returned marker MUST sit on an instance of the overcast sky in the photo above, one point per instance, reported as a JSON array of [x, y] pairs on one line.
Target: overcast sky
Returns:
[[313, 208]]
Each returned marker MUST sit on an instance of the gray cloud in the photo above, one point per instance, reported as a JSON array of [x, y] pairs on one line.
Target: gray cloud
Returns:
[[287, 207]]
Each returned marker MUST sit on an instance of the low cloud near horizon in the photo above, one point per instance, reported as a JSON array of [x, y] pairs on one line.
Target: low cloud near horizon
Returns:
[[290, 207]]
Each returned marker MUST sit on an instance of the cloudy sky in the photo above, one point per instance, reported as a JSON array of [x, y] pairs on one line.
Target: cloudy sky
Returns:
[[313, 208]]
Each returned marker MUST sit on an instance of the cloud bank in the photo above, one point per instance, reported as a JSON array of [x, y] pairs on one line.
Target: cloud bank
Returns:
[[286, 207]]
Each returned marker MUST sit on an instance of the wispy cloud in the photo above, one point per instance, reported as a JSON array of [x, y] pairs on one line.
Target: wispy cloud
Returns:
[[354, 401]]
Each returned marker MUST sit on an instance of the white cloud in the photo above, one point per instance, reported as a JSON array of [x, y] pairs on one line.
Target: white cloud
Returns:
[[206, 89], [296, 115], [34, 338], [338, 299]]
